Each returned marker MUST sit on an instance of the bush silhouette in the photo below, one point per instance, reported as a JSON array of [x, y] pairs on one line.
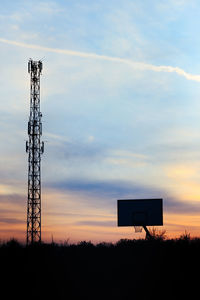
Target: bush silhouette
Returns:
[[158, 234], [129, 269]]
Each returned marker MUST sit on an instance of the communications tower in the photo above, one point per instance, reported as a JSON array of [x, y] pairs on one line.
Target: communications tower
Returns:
[[34, 148]]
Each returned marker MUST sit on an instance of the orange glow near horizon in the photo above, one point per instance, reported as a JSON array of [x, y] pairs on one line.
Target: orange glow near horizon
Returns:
[[70, 216], [70, 229]]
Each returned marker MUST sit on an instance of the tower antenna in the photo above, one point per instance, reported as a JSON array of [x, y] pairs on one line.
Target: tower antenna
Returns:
[[34, 148]]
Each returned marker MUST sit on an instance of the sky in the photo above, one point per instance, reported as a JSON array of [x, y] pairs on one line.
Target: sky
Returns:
[[120, 98]]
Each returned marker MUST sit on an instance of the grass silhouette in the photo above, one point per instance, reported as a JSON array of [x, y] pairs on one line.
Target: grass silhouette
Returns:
[[160, 268]]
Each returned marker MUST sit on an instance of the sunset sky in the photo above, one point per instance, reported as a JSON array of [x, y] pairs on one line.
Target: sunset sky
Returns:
[[120, 97]]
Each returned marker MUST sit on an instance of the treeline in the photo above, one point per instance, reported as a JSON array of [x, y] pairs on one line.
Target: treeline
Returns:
[[129, 269]]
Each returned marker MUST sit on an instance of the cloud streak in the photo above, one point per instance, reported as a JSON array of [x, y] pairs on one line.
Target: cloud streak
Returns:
[[111, 190], [130, 63]]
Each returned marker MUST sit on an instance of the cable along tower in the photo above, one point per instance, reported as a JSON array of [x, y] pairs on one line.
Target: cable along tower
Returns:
[[34, 148]]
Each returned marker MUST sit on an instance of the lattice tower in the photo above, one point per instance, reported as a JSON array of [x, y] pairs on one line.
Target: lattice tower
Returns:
[[34, 148]]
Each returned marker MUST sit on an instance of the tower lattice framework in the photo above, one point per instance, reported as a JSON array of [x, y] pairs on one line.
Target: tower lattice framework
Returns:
[[34, 148]]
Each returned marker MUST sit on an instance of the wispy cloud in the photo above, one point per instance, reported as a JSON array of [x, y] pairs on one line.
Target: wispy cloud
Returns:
[[133, 64], [103, 223], [110, 190], [11, 220]]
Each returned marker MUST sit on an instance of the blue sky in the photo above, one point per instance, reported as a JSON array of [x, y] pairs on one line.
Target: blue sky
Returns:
[[120, 97]]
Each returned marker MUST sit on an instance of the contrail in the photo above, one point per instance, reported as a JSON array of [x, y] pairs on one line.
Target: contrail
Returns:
[[138, 65]]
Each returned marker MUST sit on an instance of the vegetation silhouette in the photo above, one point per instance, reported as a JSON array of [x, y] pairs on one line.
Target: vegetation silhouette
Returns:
[[159, 268]]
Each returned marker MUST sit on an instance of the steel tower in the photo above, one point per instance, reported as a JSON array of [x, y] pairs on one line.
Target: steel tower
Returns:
[[34, 148]]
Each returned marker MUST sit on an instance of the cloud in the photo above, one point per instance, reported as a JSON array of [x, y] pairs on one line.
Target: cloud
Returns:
[[15, 199], [127, 158], [11, 220], [83, 151], [109, 188], [49, 8], [97, 223], [109, 191], [135, 65], [174, 206], [81, 214]]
